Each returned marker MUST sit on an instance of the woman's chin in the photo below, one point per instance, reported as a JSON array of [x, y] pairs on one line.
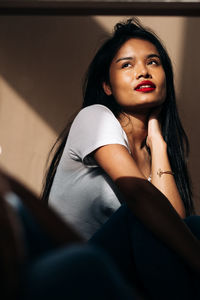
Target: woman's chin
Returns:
[[143, 107]]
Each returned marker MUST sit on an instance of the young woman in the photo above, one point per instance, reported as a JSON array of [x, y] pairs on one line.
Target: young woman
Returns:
[[127, 145]]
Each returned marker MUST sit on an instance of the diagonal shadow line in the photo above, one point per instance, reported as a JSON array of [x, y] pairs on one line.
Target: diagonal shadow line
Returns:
[[44, 60]]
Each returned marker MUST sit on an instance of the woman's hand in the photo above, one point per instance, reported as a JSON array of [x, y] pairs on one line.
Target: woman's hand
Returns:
[[154, 136]]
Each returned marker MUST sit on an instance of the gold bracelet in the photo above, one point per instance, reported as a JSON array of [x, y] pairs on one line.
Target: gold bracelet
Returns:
[[160, 172]]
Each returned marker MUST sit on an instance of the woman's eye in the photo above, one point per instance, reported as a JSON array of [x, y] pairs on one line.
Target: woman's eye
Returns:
[[126, 65], [153, 62]]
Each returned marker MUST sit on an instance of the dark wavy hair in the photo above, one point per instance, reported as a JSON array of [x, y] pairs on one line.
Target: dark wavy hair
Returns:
[[93, 93]]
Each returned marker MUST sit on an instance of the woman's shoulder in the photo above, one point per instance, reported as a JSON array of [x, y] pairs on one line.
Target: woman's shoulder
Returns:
[[95, 108], [94, 114], [93, 127]]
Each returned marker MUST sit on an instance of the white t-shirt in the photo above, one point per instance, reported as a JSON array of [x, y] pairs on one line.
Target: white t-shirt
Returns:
[[82, 192]]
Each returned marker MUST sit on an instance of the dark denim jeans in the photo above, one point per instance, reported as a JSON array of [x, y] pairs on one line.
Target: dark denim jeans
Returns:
[[146, 262], [122, 254], [73, 272]]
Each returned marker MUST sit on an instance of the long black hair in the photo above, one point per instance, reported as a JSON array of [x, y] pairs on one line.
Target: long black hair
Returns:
[[93, 93]]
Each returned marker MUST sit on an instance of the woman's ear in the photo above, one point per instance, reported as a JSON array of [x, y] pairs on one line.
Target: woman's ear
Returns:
[[107, 89]]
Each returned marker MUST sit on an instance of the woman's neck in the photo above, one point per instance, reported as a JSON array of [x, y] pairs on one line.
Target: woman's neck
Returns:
[[136, 128]]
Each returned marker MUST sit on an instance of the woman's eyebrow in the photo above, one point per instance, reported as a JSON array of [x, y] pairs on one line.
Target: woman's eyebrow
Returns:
[[124, 58], [153, 55], [130, 57]]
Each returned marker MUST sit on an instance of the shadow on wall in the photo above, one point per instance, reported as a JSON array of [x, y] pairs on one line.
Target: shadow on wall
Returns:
[[189, 99], [45, 58]]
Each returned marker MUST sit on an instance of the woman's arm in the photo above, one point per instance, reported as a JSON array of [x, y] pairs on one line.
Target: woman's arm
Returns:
[[148, 203], [160, 162]]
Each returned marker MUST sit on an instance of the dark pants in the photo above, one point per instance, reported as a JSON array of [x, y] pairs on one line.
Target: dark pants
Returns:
[[73, 272], [146, 262], [122, 253]]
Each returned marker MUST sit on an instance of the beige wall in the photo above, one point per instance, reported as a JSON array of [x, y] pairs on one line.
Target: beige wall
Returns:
[[42, 63]]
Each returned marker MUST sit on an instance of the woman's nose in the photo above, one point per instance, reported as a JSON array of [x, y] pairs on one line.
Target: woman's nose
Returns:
[[142, 71]]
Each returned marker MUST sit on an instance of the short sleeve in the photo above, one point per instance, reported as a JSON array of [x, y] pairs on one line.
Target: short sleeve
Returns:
[[93, 127]]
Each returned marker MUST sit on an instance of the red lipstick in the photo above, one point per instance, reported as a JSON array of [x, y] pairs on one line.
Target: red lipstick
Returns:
[[145, 86]]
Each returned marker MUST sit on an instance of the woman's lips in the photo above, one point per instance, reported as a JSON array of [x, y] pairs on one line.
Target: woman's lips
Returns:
[[145, 89], [145, 86]]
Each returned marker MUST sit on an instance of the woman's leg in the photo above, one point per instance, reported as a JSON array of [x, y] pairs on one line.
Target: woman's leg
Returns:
[[163, 273], [70, 272], [76, 272], [114, 237], [142, 257]]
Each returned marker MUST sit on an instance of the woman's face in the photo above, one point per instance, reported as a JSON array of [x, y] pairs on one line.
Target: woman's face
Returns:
[[137, 77]]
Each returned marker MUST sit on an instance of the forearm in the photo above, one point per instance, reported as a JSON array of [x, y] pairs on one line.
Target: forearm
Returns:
[[165, 182]]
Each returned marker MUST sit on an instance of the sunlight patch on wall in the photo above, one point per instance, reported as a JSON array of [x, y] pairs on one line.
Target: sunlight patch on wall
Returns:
[[23, 137]]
